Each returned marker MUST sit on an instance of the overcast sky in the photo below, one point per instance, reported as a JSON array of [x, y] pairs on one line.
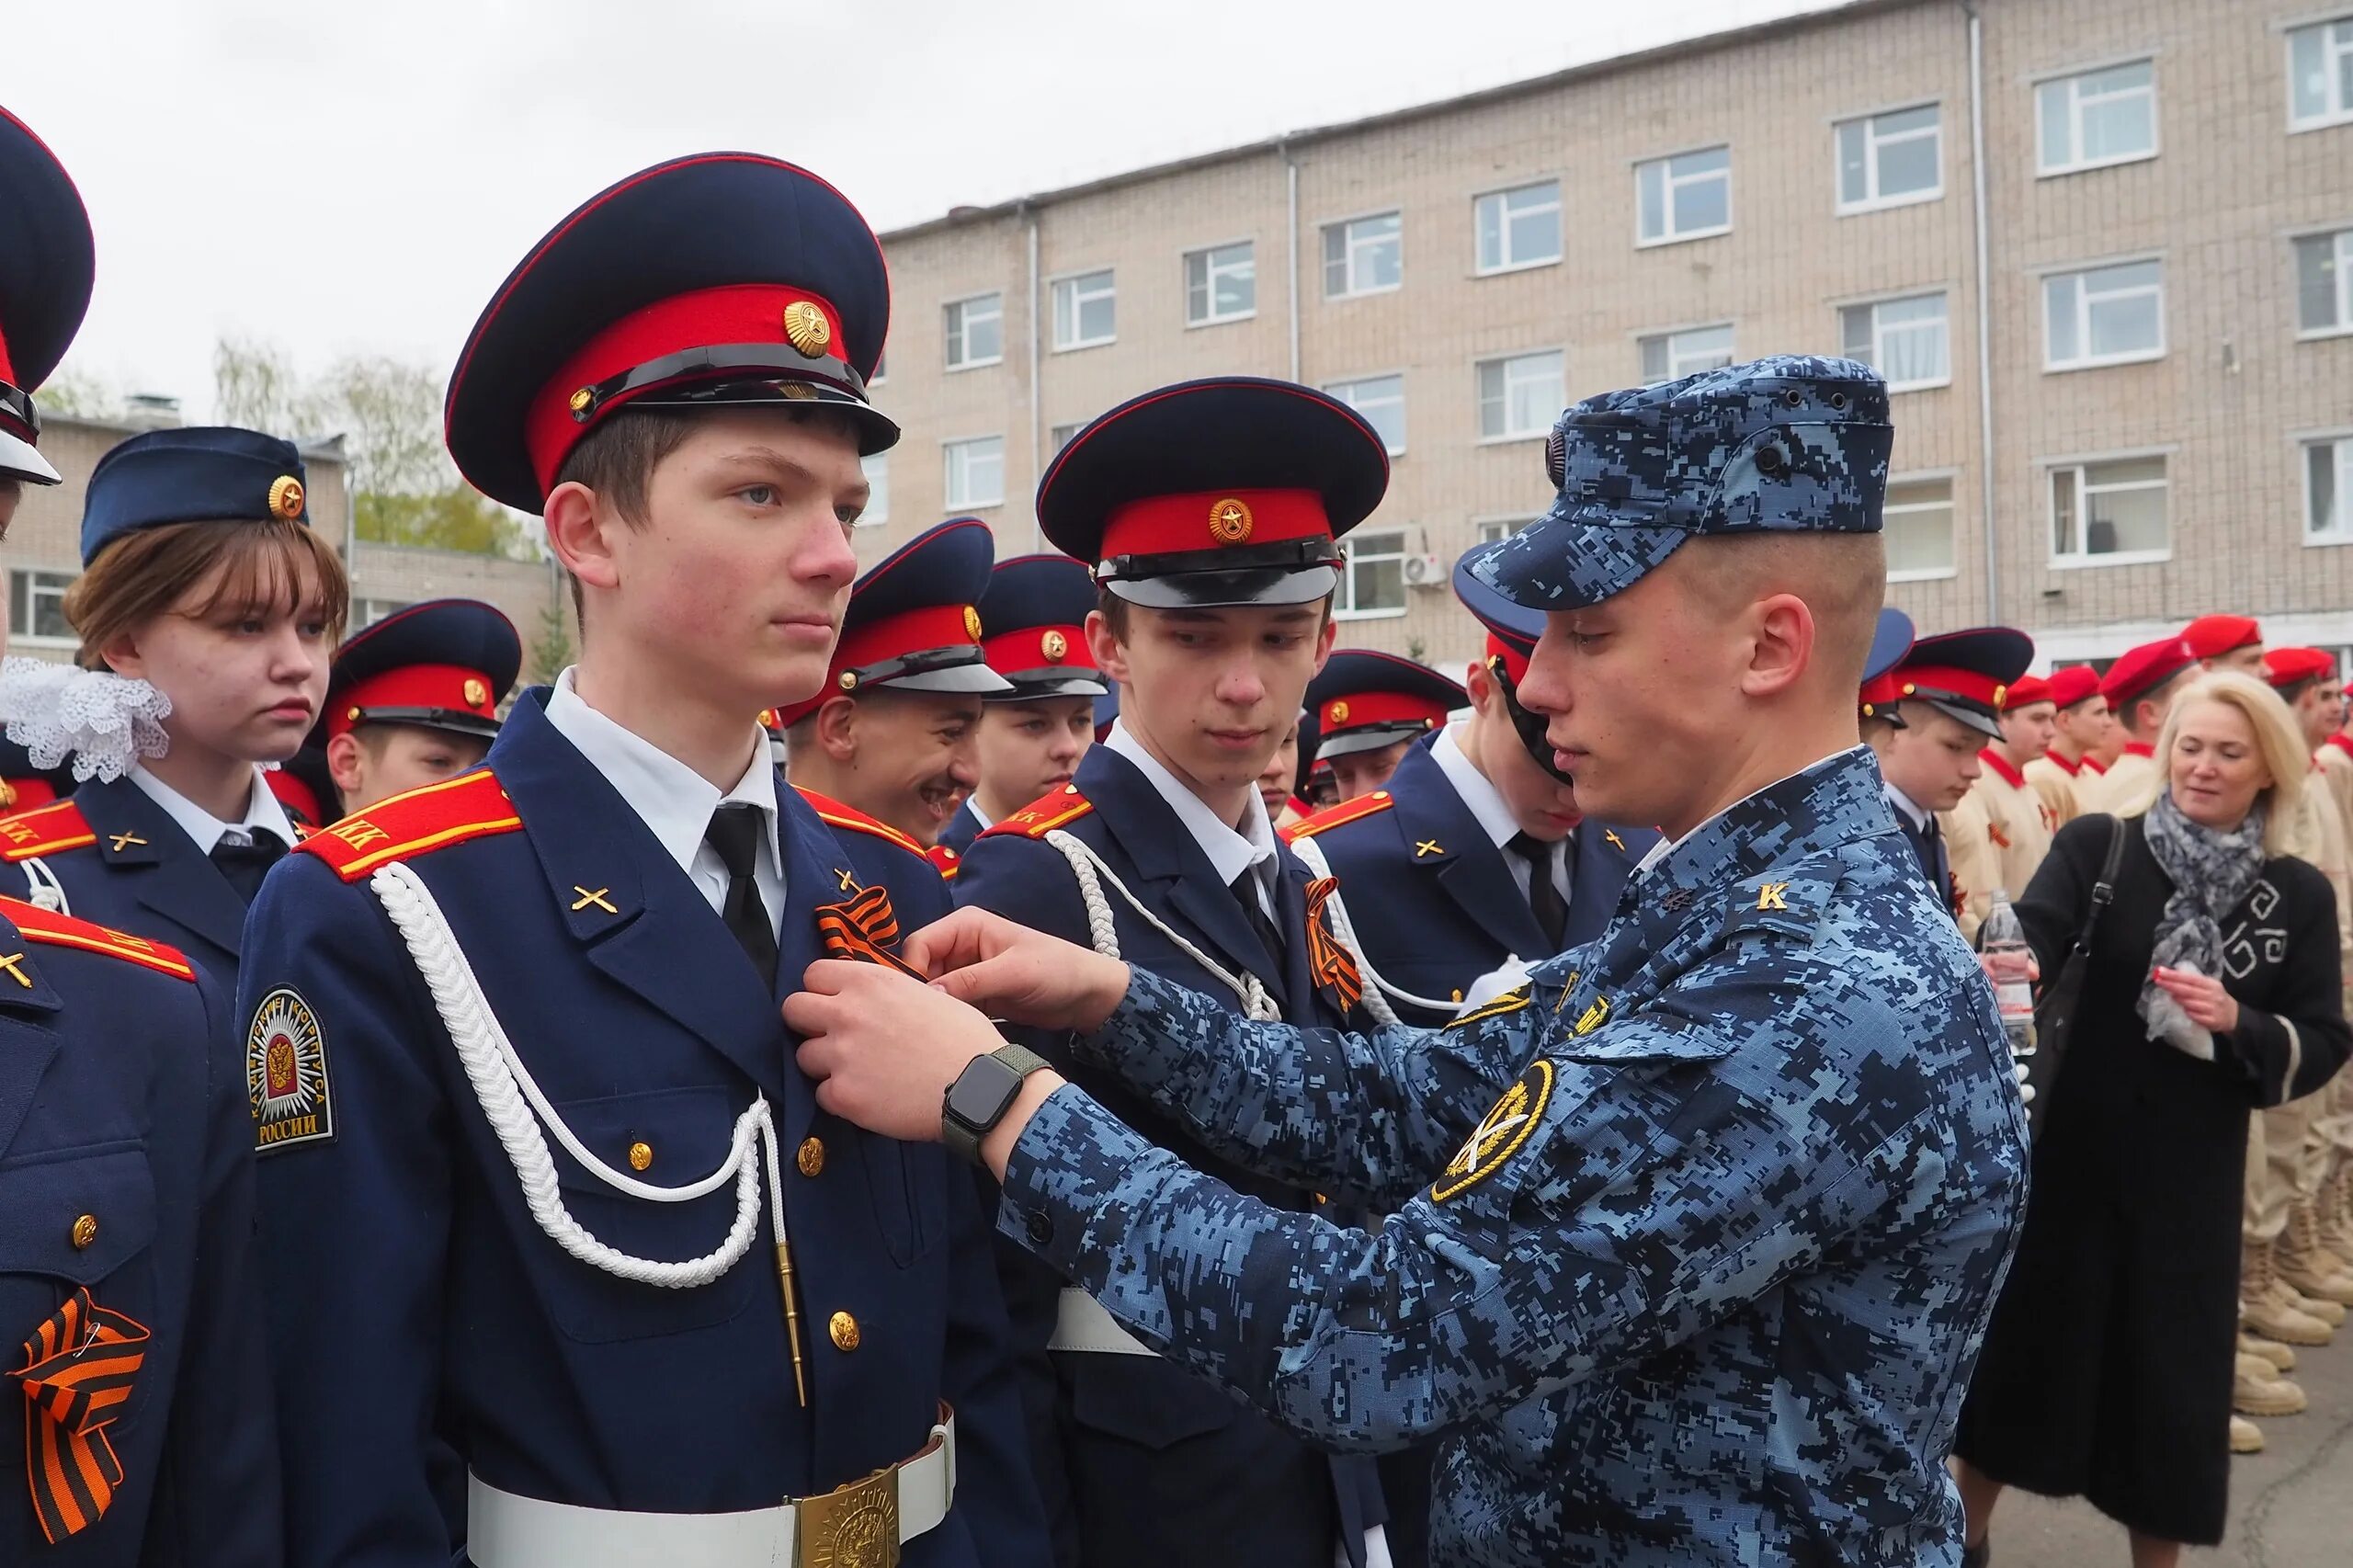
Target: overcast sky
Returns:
[[337, 177]]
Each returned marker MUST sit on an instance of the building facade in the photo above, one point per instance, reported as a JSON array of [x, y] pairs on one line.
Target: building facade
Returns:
[[2103, 250]]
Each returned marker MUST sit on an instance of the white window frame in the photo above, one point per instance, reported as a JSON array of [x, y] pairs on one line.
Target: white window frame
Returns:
[[1349, 246], [2080, 561], [2343, 441], [1503, 194], [1056, 438], [1871, 141], [360, 620], [2079, 164], [947, 450], [1209, 273], [1669, 334], [1347, 587], [1951, 480], [1879, 351], [1072, 280], [1477, 396], [2342, 234], [1672, 235], [2088, 360], [1331, 389], [1488, 529], [962, 335], [2340, 24], [876, 466]]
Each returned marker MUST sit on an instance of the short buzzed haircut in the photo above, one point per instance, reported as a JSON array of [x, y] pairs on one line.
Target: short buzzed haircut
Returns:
[[1842, 577]]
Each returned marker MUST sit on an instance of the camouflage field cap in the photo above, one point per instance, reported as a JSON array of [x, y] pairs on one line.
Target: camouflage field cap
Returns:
[[1792, 442]]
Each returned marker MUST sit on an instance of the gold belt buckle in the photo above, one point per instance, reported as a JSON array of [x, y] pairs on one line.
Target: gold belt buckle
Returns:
[[855, 1526]]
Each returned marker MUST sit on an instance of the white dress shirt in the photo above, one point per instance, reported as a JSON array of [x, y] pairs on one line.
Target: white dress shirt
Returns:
[[1486, 804], [263, 814], [674, 800], [1230, 853]]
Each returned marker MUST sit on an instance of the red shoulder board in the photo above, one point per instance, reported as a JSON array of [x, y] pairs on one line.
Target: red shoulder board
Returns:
[[38, 925], [1340, 816], [412, 822], [1041, 817], [835, 814], [944, 860], [44, 831]]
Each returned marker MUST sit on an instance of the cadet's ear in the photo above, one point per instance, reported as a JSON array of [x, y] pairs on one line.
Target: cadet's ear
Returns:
[[1110, 650], [1780, 644], [343, 763], [577, 535], [837, 728]]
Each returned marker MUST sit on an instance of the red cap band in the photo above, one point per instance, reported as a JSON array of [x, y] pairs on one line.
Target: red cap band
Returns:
[[1515, 659], [1039, 648], [1213, 519], [1943, 681], [1365, 708], [414, 686]]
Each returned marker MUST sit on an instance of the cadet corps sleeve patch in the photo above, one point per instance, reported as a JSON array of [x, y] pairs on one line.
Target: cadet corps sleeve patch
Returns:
[[1499, 1133], [1041, 817], [286, 1075]]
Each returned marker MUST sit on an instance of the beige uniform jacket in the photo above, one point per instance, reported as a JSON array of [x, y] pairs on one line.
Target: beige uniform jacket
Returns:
[[1996, 837]]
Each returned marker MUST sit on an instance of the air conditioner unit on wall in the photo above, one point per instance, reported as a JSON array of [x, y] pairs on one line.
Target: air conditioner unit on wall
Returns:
[[1424, 571]]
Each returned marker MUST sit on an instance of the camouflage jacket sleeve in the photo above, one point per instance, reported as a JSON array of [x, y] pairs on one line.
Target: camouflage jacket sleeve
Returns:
[[1363, 1119], [1634, 1185]]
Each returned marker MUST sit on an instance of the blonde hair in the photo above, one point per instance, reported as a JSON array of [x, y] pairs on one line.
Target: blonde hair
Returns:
[[2278, 738]]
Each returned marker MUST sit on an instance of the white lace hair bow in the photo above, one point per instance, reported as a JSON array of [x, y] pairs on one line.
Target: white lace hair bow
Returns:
[[103, 720]]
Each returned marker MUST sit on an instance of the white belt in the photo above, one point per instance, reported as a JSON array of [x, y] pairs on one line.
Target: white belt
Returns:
[[1081, 1324], [861, 1523]]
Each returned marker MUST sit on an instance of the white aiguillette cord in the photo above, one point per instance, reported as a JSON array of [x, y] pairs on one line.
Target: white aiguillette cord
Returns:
[[1104, 932]]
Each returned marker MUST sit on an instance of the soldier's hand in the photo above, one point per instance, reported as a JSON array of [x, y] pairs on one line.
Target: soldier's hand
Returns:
[[883, 1046], [1011, 972]]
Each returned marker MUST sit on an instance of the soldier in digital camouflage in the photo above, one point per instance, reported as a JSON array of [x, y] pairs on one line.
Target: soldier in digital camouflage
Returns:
[[1692, 1238]]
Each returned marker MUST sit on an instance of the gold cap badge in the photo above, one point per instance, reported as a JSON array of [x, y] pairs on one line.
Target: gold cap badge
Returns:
[[849, 681], [2001, 695], [1053, 644], [1337, 713], [580, 401], [805, 327], [972, 623], [477, 692], [286, 497], [1230, 520]]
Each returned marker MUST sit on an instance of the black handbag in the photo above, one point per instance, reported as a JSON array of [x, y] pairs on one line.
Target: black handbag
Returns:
[[2054, 1013]]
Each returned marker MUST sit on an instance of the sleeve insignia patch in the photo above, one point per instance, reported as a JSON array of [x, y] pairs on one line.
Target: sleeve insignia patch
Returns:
[[1499, 1133], [286, 1075]]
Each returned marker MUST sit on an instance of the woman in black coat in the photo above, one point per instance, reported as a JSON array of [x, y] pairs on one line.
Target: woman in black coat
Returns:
[[2211, 988]]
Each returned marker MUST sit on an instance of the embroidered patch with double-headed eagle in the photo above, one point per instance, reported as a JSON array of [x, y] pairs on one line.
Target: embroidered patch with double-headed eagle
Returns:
[[286, 1075]]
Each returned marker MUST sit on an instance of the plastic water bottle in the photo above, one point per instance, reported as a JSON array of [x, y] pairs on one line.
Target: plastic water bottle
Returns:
[[2001, 948]]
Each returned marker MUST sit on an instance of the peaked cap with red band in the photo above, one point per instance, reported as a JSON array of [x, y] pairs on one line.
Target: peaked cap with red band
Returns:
[[1881, 695], [2077, 683], [723, 278], [1033, 628], [1966, 675], [2287, 667], [444, 665], [297, 783], [2211, 636], [1513, 632], [1228, 491], [2026, 692], [46, 264], [914, 622], [1364, 700], [2138, 671]]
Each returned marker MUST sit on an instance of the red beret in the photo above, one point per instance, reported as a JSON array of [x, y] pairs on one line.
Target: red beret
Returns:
[[2211, 636], [2146, 668], [2025, 691], [2285, 666], [2075, 683]]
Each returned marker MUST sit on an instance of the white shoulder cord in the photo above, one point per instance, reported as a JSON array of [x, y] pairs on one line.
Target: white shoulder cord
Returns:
[[44, 889], [1377, 990], [502, 1086], [1091, 872]]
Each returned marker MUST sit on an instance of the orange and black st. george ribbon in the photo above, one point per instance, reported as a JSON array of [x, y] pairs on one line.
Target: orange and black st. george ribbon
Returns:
[[1334, 966], [864, 928], [77, 1374]]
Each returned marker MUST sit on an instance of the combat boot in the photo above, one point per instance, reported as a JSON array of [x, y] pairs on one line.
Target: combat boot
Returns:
[[2256, 1390], [2305, 1266], [2337, 1212], [2274, 1354], [2246, 1438], [2263, 1303], [2331, 1314]]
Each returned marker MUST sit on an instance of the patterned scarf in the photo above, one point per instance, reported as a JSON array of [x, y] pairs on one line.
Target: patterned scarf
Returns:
[[2211, 873]]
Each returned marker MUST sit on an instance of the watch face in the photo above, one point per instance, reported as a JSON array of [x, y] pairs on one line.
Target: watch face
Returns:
[[982, 1092]]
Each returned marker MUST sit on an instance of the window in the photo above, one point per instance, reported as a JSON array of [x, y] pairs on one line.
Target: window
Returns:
[[1373, 582], [1221, 284], [2097, 118], [1519, 228], [37, 607], [2320, 74], [2107, 513], [975, 473], [367, 612], [976, 330], [1667, 356], [1684, 198], [1381, 400], [1493, 528], [1363, 255], [1519, 397], [1059, 437], [2324, 282], [1907, 341], [2108, 315], [877, 469], [882, 370], [1918, 514], [1887, 160], [2328, 491], [1084, 314]]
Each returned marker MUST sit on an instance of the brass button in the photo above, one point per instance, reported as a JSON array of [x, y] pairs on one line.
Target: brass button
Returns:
[[640, 1155], [86, 1230], [844, 1328], [812, 1157]]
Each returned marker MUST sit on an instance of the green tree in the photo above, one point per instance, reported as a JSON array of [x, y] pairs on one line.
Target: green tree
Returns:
[[551, 648]]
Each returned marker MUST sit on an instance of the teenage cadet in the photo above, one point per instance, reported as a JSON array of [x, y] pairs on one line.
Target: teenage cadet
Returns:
[[1370, 707], [537, 1172], [1211, 509], [2139, 686], [131, 1326], [2001, 830], [2080, 728], [1033, 628], [413, 698]]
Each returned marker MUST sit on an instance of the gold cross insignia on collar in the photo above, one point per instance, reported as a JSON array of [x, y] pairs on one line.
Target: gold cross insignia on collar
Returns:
[[9, 961], [126, 837], [597, 899], [848, 882], [1615, 841], [1425, 847]]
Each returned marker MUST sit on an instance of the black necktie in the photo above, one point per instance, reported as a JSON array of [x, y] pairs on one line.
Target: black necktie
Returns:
[[1543, 893], [245, 864], [735, 833], [1246, 893]]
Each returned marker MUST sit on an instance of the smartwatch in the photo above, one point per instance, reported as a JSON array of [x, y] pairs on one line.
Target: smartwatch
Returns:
[[981, 1095]]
